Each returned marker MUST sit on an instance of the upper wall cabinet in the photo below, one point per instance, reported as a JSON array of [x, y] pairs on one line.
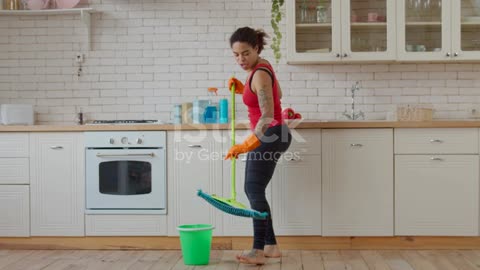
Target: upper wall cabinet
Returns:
[[340, 30], [438, 30]]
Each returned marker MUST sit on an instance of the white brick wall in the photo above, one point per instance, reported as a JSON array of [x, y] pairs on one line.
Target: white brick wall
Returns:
[[150, 54]]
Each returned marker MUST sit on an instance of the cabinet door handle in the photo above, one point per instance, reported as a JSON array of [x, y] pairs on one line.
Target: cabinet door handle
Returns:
[[126, 155], [448, 54], [345, 55], [436, 141], [436, 159], [356, 145], [195, 146], [455, 54], [338, 55], [56, 147]]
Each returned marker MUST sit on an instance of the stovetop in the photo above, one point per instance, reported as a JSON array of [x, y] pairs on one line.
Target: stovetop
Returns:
[[123, 122]]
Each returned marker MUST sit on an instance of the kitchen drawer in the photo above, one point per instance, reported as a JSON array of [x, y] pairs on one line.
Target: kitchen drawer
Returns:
[[14, 171], [126, 225], [14, 145], [306, 141], [436, 141]]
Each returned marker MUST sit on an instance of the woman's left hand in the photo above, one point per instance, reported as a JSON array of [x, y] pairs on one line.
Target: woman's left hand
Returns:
[[248, 145]]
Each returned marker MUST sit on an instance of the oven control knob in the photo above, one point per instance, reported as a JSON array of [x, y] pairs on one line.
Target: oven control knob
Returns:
[[112, 141], [124, 140], [139, 141]]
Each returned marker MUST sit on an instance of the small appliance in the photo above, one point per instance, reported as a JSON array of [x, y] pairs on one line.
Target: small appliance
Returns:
[[17, 114]]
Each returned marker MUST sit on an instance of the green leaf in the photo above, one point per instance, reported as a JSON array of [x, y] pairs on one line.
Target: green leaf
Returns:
[[275, 20]]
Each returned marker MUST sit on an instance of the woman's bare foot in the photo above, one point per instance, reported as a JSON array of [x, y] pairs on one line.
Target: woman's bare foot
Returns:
[[272, 251], [255, 256]]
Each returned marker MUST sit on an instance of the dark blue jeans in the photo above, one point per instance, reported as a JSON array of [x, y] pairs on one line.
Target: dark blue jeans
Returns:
[[259, 169]]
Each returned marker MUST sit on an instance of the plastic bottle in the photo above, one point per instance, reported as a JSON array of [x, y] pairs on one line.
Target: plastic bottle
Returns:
[[223, 108], [177, 114]]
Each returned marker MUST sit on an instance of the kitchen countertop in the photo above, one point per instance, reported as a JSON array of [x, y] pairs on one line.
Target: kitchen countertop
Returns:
[[305, 124]]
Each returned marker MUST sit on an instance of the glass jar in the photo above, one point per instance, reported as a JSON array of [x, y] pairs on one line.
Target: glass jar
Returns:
[[303, 12], [12, 4], [321, 14]]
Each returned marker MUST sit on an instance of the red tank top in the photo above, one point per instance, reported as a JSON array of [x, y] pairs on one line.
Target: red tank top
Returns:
[[251, 100]]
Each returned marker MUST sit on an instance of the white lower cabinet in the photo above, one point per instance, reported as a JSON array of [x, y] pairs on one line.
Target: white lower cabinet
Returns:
[[127, 225], [297, 199], [437, 195], [14, 211], [194, 162], [57, 186], [357, 182], [294, 190], [234, 225]]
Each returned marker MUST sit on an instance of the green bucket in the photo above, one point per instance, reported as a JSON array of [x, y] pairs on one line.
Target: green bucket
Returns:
[[196, 241]]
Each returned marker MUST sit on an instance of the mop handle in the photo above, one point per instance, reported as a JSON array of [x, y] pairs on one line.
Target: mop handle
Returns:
[[233, 188]]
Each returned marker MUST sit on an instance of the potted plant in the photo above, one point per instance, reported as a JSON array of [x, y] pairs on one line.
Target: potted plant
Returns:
[[275, 21]]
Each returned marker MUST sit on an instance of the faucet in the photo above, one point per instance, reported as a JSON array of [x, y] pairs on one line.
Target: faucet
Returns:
[[352, 115]]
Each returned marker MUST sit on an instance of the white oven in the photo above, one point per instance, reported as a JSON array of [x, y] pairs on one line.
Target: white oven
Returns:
[[126, 172]]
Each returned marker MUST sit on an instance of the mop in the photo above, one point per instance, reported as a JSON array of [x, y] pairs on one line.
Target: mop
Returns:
[[231, 205]]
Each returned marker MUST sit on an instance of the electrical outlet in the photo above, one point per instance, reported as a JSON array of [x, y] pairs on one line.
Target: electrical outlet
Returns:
[[474, 111], [79, 58]]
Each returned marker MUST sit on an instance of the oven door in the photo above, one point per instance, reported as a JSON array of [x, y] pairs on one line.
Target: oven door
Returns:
[[125, 179]]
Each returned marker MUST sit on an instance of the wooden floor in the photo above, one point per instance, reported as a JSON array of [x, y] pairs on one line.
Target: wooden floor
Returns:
[[220, 260]]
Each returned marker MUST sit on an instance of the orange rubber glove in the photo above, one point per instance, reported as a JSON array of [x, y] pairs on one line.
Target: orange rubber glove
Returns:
[[238, 85], [248, 145]]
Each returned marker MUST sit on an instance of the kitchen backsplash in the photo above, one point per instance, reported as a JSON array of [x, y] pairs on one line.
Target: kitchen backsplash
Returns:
[[149, 55]]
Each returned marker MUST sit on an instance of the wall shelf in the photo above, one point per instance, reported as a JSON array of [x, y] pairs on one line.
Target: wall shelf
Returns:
[[314, 25], [424, 24], [369, 25], [85, 16]]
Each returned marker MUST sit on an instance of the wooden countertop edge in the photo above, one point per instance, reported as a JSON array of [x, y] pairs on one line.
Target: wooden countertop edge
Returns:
[[308, 124]]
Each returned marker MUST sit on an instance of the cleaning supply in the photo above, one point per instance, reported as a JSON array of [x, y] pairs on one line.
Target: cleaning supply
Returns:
[[211, 114], [177, 113], [187, 112], [198, 111], [196, 242], [238, 85], [231, 205], [248, 145], [223, 108]]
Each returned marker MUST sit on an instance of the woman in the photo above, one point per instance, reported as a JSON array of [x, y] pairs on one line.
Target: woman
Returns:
[[269, 139]]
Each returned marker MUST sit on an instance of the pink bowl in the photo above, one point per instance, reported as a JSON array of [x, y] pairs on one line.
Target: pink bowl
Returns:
[[66, 3]]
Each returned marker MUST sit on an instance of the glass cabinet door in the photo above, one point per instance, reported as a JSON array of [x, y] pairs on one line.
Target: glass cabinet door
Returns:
[[466, 30], [424, 29], [313, 30], [369, 27]]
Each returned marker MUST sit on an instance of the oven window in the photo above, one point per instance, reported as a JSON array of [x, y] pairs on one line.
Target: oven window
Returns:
[[125, 177]]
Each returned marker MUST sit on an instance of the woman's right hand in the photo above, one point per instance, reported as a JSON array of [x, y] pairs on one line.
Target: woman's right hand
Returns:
[[238, 85]]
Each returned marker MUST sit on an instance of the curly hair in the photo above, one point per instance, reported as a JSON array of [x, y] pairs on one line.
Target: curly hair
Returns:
[[255, 38]]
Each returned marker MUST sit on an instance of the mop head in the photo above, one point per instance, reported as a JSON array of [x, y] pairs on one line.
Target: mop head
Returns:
[[225, 206]]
